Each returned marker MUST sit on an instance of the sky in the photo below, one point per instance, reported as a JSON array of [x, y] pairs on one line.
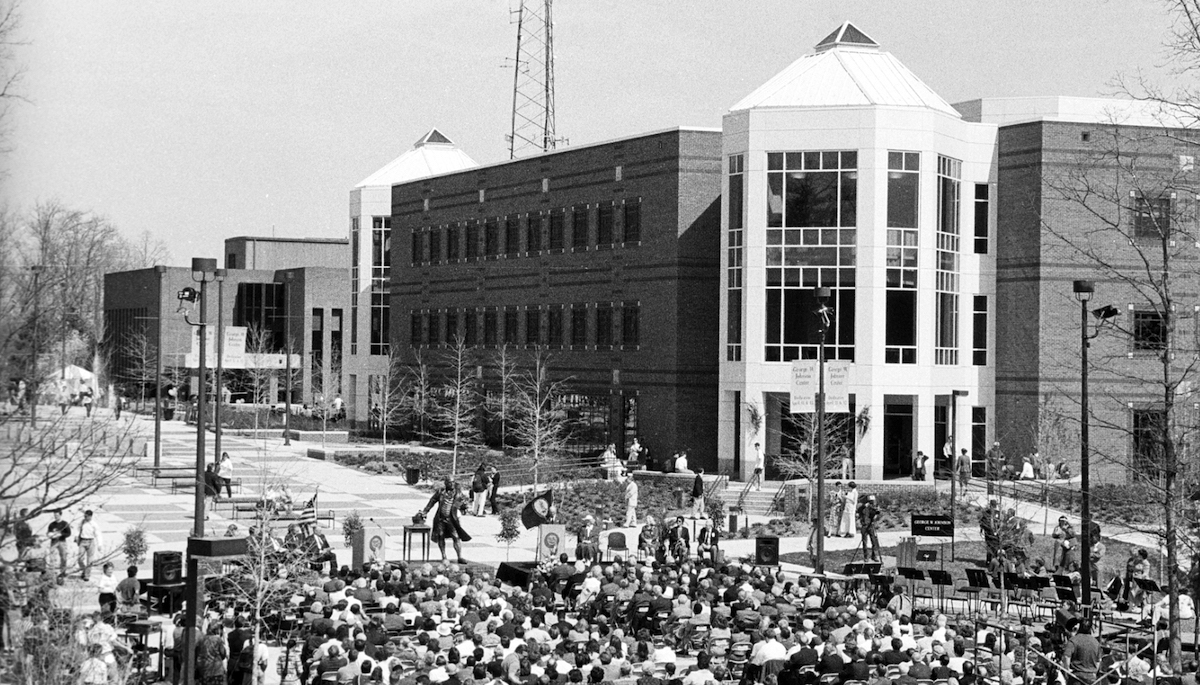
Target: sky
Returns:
[[200, 121]]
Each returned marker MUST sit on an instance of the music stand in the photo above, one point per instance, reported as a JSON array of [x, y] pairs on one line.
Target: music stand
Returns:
[[942, 580], [1066, 594], [1061, 580]]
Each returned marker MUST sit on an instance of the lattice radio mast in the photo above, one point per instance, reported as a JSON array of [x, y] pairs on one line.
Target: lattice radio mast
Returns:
[[533, 81]]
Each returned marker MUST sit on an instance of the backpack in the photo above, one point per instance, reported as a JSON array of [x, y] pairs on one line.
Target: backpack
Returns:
[[479, 483], [245, 662]]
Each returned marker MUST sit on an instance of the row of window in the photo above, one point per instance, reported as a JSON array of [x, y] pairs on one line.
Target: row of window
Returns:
[[582, 227], [582, 326]]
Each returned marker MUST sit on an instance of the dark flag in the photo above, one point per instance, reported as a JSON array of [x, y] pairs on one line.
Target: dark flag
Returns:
[[537, 511]]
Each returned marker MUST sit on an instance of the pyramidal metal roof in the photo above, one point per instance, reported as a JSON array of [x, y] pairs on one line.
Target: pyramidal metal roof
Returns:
[[847, 68], [433, 153]]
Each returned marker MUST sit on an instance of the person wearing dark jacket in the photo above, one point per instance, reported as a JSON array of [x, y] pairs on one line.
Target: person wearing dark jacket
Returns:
[[698, 495], [445, 503], [494, 480], [857, 669]]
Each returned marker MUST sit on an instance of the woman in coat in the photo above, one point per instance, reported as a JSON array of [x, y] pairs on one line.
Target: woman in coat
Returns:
[[210, 657]]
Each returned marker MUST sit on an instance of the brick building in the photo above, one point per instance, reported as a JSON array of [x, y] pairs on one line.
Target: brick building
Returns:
[[606, 254]]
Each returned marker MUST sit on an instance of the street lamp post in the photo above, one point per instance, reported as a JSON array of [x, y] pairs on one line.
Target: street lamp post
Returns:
[[34, 386], [204, 271], [954, 465], [288, 278], [823, 313], [158, 369], [219, 396]]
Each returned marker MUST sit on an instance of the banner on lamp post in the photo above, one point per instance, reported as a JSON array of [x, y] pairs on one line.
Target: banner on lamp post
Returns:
[[806, 383]]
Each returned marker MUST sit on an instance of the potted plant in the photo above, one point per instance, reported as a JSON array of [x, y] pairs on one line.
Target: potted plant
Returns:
[[134, 545], [351, 525], [510, 529]]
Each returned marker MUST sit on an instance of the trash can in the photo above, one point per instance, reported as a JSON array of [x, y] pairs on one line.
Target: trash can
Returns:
[[412, 475], [678, 497]]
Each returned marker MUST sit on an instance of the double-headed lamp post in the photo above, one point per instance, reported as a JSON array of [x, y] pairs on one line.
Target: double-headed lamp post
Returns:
[[823, 313], [1083, 292], [204, 271]]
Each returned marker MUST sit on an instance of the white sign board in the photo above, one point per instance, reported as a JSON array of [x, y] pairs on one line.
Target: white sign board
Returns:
[[552, 540], [804, 387], [806, 383], [234, 349]]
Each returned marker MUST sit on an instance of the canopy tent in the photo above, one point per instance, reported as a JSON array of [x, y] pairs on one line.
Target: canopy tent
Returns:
[[75, 378]]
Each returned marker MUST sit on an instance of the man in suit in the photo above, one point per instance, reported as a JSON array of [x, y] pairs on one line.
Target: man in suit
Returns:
[[446, 525], [679, 540]]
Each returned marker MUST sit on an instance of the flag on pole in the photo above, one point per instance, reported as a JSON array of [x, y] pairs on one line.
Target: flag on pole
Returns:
[[537, 511], [308, 513]]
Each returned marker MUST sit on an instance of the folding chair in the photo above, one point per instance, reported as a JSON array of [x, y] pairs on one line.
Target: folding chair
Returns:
[[616, 543]]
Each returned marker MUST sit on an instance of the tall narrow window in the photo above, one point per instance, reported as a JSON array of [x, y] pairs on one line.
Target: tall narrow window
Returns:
[[630, 324], [604, 224], [904, 183], [1149, 331], [557, 219], [452, 243], [734, 249], [512, 236], [633, 221], [947, 272], [381, 269], [489, 327], [811, 237], [512, 326], [979, 331], [1149, 428], [579, 326], [533, 326], [435, 245], [415, 329], [554, 327], [471, 326], [355, 254], [416, 246], [579, 227], [604, 325], [472, 240], [533, 233], [491, 238], [982, 211], [452, 333], [435, 329]]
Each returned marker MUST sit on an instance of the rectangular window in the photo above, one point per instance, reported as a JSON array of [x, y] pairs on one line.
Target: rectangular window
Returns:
[[579, 227], [812, 189], [979, 331], [604, 326], [452, 332], [947, 272], [435, 329], [452, 253], [734, 254], [472, 240], [579, 326], [633, 221], [1149, 427], [416, 247], [491, 243], [904, 189], [900, 337], [630, 330], [415, 329], [512, 236], [489, 327], [1151, 217], [533, 233], [471, 324], [435, 245], [557, 219], [380, 323], [512, 327], [355, 250], [554, 327], [604, 224], [982, 211], [1149, 331], [533, 327]]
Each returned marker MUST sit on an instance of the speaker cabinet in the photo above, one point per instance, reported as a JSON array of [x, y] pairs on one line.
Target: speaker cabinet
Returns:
[[168, 568], [766, 551], [217, 547]]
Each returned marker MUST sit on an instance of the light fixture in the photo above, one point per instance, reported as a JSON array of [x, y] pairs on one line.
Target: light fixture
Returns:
[[1084, 290]]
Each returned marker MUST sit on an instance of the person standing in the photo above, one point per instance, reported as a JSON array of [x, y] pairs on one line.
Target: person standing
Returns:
[[59, 532], [1081, 653], [868, 523], [86, 398], [225, 471], [698, 495], [760, 465], [493, 488], [1096, 554], [118, 400], [847, 527], [1136, 568], [631, 502], [1064, 537], [919, 466], [837, 507], [964, 471], [211, 654], [446, 502], [479, 490], [88, 542], [996, 461]]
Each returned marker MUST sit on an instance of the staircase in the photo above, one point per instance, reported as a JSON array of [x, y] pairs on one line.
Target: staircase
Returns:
[[754, 502]]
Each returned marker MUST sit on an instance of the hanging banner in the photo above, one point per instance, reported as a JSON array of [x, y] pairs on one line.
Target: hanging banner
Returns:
[[234, 349], [837, 387], [804, 387]]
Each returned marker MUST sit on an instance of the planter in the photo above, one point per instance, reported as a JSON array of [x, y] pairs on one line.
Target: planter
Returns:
[[412, 475]]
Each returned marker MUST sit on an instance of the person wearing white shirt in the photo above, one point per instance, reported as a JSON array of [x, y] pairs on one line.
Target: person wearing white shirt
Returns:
[[768, 650], [88, 542], [702, 675]]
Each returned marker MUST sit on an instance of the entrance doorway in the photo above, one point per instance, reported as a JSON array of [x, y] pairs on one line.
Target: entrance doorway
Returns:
[[897, 437]]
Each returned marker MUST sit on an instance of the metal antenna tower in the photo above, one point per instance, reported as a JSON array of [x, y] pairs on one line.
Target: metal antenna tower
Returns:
[[533, 81]]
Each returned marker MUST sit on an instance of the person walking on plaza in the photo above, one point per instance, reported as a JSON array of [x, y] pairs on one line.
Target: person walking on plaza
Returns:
[[868, 523], [86, 397], [88, 543], [847, 527], [631, 502], [964, 471], [59, 532], [918, 472], [479, 490], [698, 495], [225, 471], [760, 465]]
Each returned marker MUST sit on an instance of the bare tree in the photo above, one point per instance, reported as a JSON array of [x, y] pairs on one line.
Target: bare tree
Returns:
[[456, 411], [388, 395], [259, 376], [540, 422], [500, 405], [1119, 212], [140, 354], [798, 456], [418, 394], [11, 72]]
